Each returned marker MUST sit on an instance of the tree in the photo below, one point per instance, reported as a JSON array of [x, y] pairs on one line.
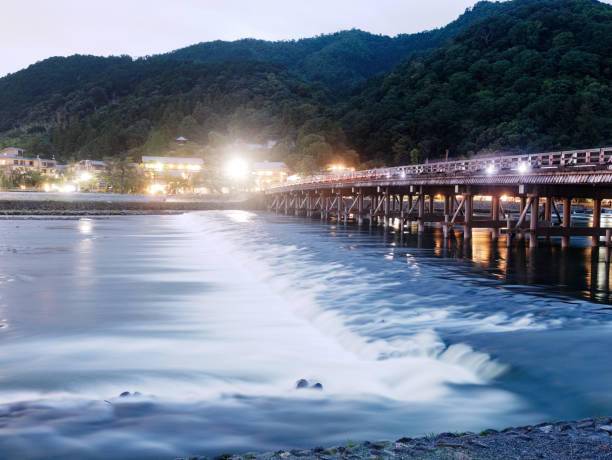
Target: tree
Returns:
[[121, 175]]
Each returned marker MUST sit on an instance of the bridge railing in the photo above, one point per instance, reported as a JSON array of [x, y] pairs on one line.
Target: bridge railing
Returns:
[[501, 164]]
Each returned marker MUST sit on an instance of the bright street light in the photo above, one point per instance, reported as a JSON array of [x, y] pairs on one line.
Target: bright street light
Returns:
[[523, 167], [491, 170], [237, 169]]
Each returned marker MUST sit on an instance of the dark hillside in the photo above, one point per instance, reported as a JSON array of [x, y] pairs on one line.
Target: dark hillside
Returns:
[[537, 76]]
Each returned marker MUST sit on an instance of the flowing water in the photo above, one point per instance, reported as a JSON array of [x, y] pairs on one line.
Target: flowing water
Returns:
[[212, 317]]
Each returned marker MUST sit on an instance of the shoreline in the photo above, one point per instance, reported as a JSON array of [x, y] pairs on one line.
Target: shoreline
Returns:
[[589, 438], [110, 207]]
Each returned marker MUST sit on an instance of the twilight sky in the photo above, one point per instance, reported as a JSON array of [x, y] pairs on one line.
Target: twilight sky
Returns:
[[36, 29]]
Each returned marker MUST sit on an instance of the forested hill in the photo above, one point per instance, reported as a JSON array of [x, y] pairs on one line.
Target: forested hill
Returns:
[[523, 74], [340, 60], [88, 106], [537, 76]]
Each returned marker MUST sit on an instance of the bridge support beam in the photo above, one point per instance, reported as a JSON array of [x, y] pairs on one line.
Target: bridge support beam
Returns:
[[548, 211], [494, 216], [387, 209], [548, 205], [446, 205], [446, 227], [469, 212], [420, 223], [400, 200], [533, 222], [596, 220], [567, 220], [373, 206], [360, 207], [523, 200]]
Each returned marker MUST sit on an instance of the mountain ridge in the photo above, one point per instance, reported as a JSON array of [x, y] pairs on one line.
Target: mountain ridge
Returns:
[[344, 95]]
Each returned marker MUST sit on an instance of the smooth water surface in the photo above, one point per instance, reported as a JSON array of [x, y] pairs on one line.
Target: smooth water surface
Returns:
[[212, 317]]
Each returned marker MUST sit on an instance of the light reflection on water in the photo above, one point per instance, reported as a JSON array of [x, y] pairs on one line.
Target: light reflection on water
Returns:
[[213, 316]]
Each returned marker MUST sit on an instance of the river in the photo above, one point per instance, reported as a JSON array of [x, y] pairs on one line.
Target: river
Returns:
[[212, 317]]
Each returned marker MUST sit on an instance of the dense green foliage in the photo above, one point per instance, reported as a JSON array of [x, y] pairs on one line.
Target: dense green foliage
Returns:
[[519, 75], [535, 77], [339, 61]]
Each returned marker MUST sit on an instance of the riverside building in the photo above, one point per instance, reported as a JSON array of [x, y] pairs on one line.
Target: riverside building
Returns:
[[268, 173], [161, 171], [12, 158]]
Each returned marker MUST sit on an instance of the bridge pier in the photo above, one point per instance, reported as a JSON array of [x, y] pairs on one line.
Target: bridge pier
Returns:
[[387, 209], [445, 227], [596, 220], [400, 200], [567, 219], [608, 246], [548, 205], [548, 211], [421, 203], [533, 222], [373, 207], [468, 199], [446, 209], [360, 208], [495, 216]]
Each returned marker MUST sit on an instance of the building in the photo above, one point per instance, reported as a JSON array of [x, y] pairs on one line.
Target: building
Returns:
[[336, 168], [171, 164], [90, 166], [267, 173], [12, 158], [90, 175], [161, 170]]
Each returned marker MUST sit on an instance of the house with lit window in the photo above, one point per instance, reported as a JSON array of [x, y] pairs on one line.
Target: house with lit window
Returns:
[[267, 173], [13, 158], [160, 170], [171, 164]]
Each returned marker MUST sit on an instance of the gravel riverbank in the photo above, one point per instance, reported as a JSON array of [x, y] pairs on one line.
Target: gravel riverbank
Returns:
[[33, 203], [582, 439]]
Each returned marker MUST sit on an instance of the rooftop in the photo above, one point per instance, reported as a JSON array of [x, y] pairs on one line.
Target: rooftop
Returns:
[[175, 160], [93, 162], [270, 166]]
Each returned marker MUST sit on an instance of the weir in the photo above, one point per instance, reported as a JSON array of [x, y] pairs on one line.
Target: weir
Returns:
[[443, 194]]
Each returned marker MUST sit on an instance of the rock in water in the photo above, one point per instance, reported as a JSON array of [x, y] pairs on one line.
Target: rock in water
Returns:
[[302, 383], [125, 394], [317, 386]]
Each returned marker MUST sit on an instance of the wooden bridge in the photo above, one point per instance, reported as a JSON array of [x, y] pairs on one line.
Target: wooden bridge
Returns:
[[442, 193]]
